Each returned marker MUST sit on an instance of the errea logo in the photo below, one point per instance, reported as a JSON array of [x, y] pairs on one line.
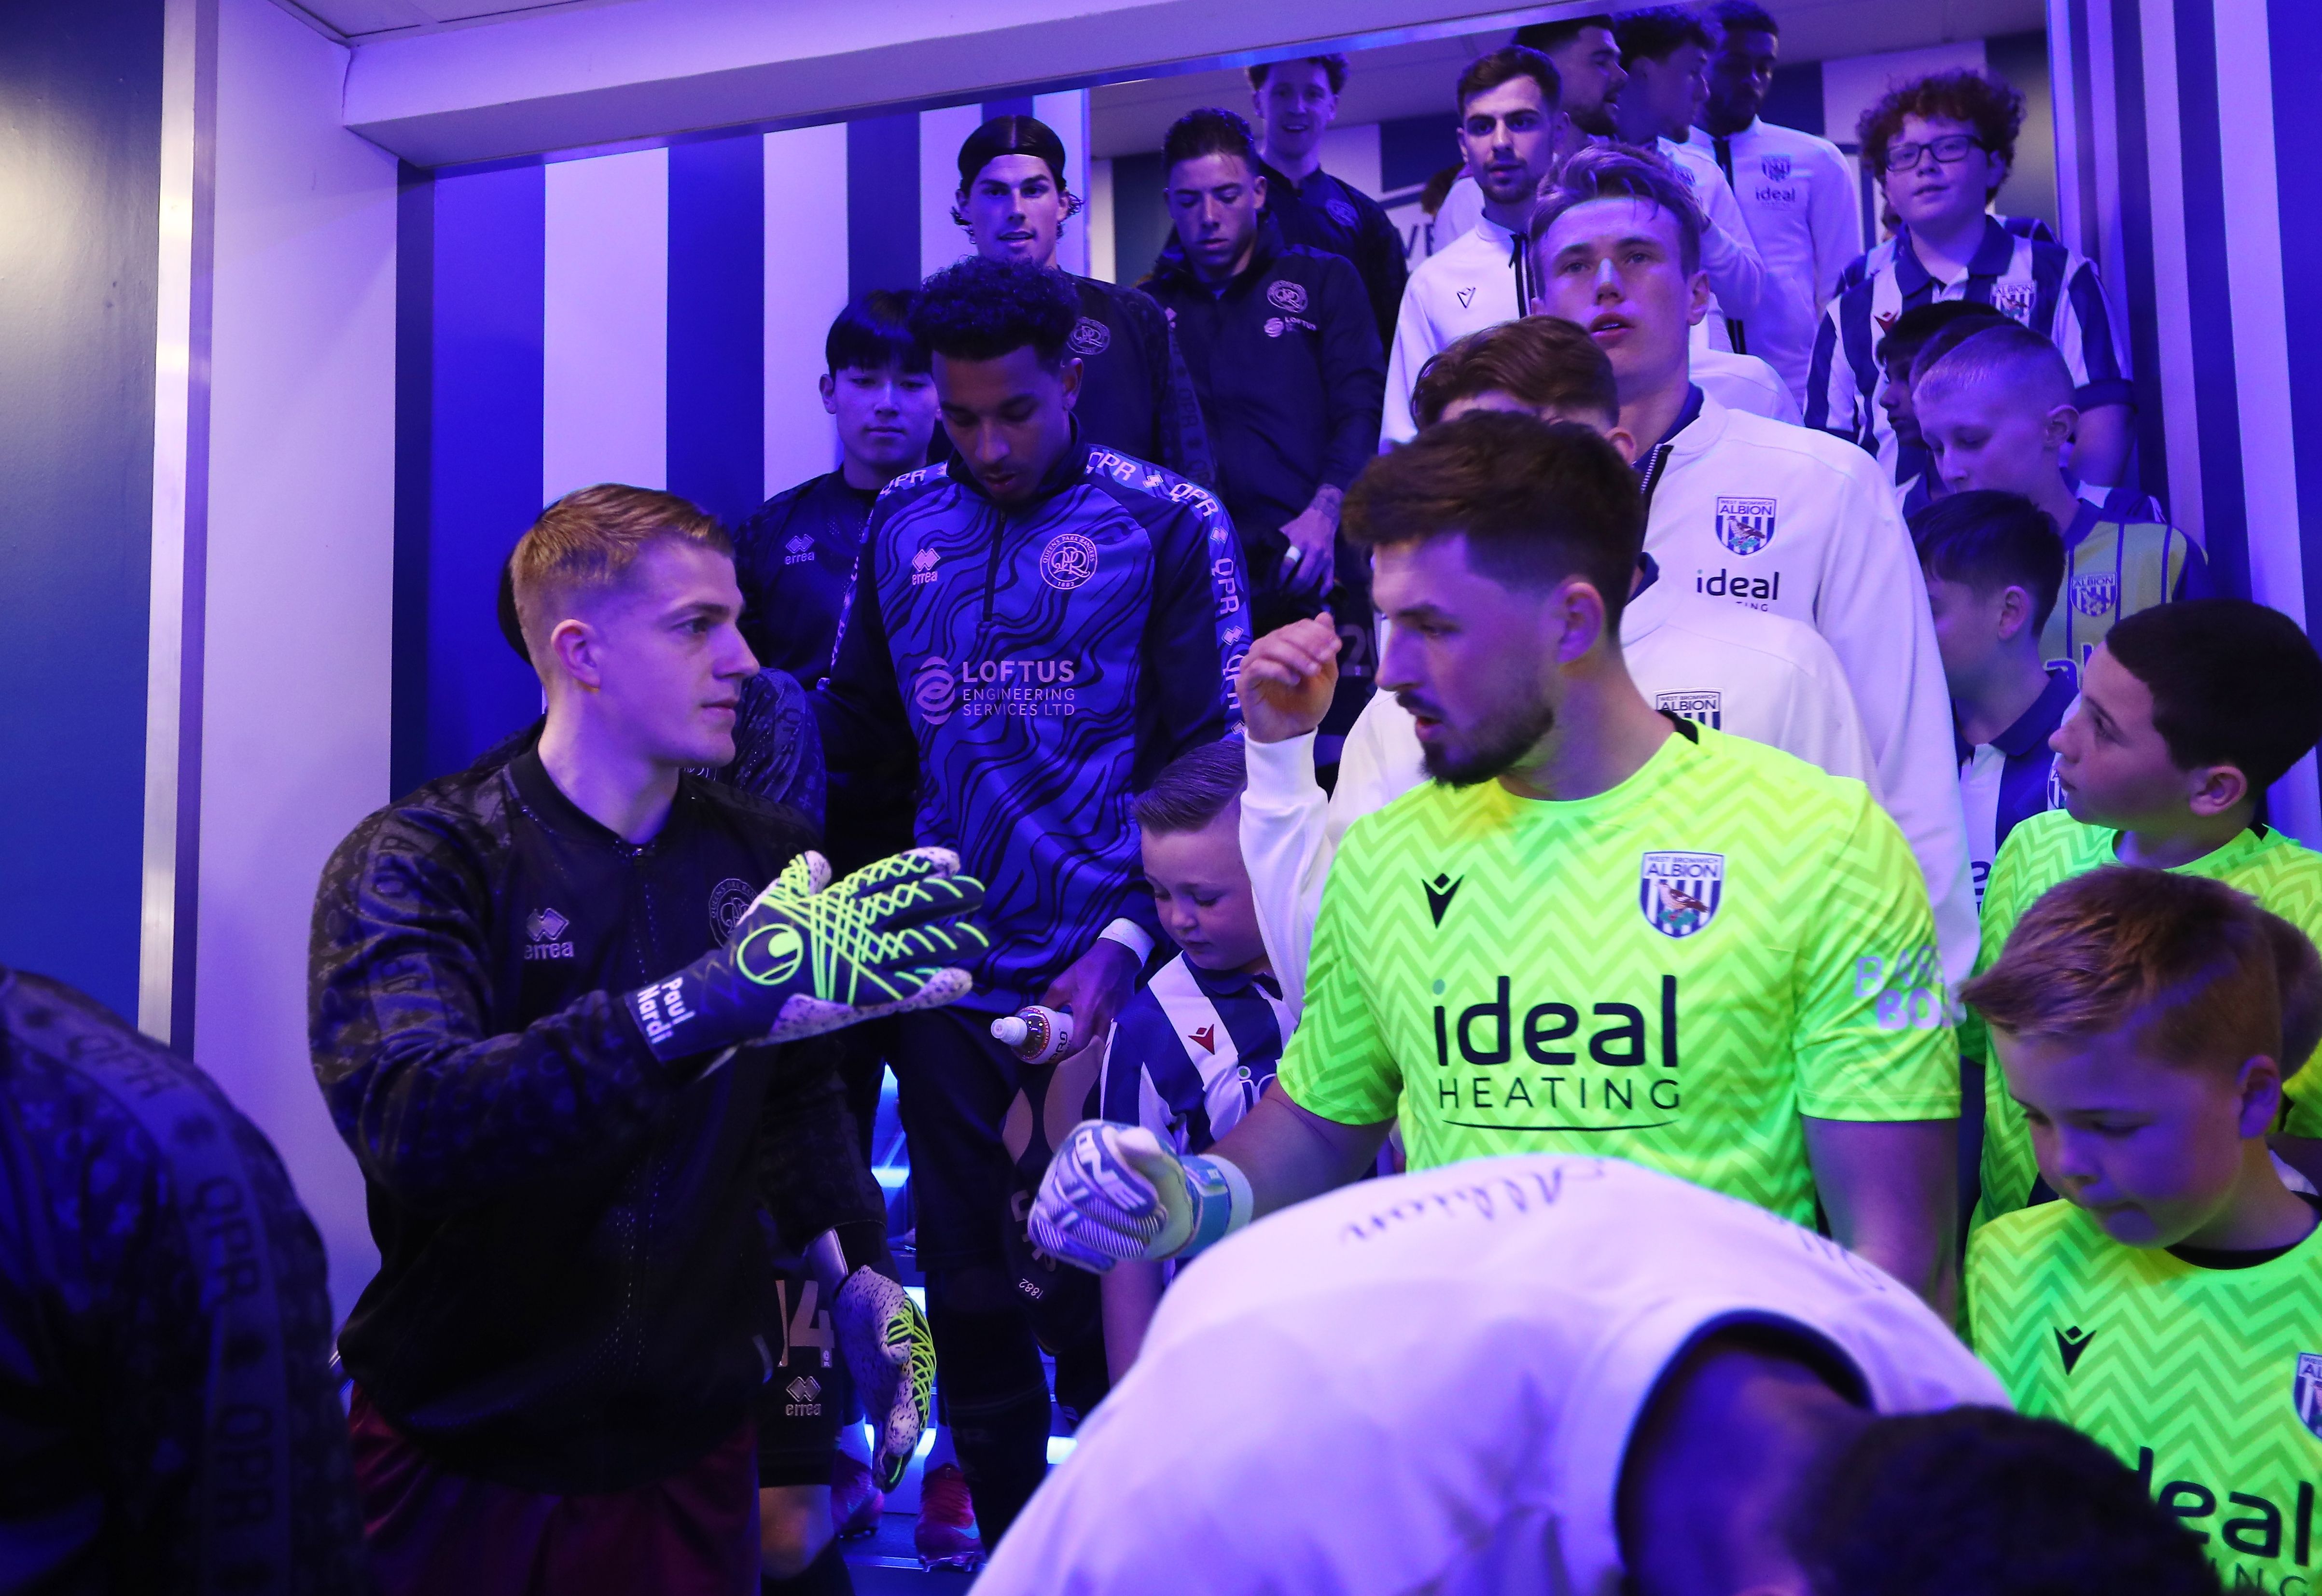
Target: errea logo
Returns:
[[923, 566], [546, 926], [802, 550]]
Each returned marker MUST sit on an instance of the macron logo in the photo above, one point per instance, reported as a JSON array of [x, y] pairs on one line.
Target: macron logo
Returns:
[[1207, 1036], [1466, 297], [1439, 893], [2071, 1343]]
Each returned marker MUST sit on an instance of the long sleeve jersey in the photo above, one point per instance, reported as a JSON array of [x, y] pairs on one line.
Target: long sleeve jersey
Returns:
[[1331, 215], [1288, 370], [168, 1421], [1135, 394], [568, 1228], [1045, 659]]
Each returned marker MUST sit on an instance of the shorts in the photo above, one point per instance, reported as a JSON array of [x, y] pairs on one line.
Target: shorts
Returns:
[[432, 1530], [807, 1393]]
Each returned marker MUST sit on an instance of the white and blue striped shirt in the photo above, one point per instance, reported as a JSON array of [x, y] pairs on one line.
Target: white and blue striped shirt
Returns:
[[1193, 1051], [2045, 286]]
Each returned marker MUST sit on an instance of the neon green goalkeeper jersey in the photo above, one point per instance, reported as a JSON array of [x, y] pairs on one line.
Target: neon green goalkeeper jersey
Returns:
[[2285, 879], [1672, 972], [2207, 1381]]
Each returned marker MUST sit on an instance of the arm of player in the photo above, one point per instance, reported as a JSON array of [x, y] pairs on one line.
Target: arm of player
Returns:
[[1834, 217], [1832, 402], [1129, 1294], [1414, 346], [1386, 272], [1819, 721], [1184, 436], [1737, 272], [1892, 1189], [1354, 375], [1286, 685]]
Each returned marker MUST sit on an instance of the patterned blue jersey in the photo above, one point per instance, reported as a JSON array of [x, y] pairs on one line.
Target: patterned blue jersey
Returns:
[[2040, 283], [1046, 659], [1192, 1052]]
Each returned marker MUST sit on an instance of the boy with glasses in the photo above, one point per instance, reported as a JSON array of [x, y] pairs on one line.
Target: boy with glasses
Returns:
[[1941, 145]]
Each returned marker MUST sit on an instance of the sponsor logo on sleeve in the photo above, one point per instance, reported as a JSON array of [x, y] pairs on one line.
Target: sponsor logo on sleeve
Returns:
[[1680, 893], [729, 901], [1089, 337], [1745, 525], [1701, 704], [1285, 296], [546, 928], [1068, 561]]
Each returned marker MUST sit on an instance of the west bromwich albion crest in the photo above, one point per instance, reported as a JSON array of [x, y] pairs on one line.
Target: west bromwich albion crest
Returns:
[[1777, 167], [1678, 893], [2306, 1392], [1745, 525]]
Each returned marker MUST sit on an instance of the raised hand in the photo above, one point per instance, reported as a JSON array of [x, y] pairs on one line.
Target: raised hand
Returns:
[[1287, 679]]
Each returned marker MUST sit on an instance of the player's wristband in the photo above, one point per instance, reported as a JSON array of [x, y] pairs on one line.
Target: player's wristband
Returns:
[[1219, 1194], [1130, 934]]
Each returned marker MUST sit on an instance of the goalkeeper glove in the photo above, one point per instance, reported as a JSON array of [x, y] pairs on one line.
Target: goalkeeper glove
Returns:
[[808, 957], [889, 1350], [1113, 1194]]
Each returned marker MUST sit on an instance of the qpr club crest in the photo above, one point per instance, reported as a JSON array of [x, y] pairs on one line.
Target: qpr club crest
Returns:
[[729, 901], [1777, 167], [1745, 525], [1068, 561], [1285, 296], [1339, 212], [2097, 594], [2306, 1392], [1089, 337], [1678, 893]]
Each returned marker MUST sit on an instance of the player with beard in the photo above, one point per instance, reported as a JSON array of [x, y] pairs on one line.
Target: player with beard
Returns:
[[1601, 928], [1134, 394], [1589, 77]]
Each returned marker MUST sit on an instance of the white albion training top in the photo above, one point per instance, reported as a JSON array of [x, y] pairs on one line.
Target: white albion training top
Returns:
[[1480, 280], [1786, 521], [1798, 195], [1762, 677], [1428, 1384]]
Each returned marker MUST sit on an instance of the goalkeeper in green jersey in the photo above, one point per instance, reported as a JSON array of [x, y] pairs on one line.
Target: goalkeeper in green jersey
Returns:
[[1597, 929], [2188, 713], [2171, 1305]]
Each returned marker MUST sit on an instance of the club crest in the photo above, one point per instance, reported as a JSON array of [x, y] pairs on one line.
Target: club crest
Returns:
[[1341, 212], [1745, 525], [1068, 561], [1678, 893], [1285, 296], [1089, 337], [1702, 706], [2096, 594], [1777, 167], [2306, 1392], [729, 901], [2013, 300]]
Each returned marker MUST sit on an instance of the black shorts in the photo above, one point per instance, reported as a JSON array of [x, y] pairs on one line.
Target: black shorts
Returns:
[[807, 1393]]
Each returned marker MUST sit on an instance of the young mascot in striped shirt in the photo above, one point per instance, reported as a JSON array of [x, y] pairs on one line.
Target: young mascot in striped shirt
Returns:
[[2170, 1306]]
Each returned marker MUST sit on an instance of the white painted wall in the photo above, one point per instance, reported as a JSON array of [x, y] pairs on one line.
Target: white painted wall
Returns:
[[806, 288], [301, 548], [605, 323]]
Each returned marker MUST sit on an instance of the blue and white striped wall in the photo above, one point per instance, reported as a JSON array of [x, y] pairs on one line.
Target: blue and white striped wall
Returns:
[[2180, 168], [652, 316]]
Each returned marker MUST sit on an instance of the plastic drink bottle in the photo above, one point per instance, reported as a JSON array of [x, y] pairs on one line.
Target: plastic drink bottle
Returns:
[[1038, 1035]]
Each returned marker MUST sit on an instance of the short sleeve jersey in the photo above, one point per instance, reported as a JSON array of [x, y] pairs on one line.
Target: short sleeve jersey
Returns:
[[2207, 1381], [2285, 878], [1193, 1051], [2112, 569], [1673, 972]]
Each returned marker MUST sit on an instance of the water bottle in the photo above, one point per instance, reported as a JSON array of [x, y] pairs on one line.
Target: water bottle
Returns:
[[1038, 1035]]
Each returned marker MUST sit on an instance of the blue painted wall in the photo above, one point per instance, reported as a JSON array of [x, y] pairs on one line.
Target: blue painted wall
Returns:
[[82, 87]]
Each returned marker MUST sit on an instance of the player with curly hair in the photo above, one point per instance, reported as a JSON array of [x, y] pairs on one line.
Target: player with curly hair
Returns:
[[1941, 146]]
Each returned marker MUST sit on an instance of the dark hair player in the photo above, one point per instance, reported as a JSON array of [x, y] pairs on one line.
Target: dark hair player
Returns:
[[1296, 102], [1134, 394]]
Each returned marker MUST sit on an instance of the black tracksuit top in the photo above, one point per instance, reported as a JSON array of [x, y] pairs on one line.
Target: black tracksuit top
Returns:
[[1288, 367], [570, 1246], [1135, 396]]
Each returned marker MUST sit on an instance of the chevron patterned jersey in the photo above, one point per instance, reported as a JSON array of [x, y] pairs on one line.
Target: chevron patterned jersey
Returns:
[[1672, 972], [2207, 1381], [2284, 877]]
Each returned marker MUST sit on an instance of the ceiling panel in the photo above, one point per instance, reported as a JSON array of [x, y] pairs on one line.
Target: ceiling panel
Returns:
[[359, 21]]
